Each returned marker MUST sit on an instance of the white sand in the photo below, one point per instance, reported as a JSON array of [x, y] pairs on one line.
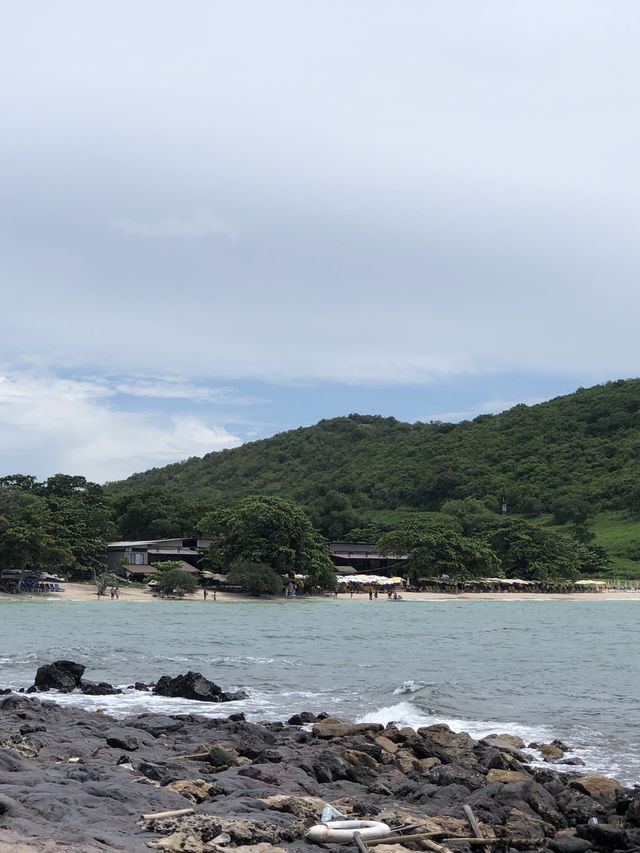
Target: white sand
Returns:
[[87, 592]]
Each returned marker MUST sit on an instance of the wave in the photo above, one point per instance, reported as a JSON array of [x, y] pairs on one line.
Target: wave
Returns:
[[410, 686]]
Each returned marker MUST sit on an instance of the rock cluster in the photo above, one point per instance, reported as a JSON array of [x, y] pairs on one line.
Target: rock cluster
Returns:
[[86, 780], [65, 676]]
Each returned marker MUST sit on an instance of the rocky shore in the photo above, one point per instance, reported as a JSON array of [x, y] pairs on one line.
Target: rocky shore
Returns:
[[74, 780]]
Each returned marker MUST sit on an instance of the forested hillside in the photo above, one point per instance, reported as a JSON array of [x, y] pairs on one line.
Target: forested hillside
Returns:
[[571, 457]]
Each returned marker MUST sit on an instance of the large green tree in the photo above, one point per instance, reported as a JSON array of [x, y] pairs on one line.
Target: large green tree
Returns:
[[436, 549], [268, 530], [532, 553], [62, 523], [155, 514]]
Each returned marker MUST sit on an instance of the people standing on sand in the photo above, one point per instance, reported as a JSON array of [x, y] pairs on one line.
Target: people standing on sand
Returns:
[[370, 595], [117, 592], [204, 593], [113, 593]]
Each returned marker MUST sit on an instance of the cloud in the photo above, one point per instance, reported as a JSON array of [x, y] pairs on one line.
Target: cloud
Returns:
[[49, 424], [172, 388], [448, 193], [196, 227]]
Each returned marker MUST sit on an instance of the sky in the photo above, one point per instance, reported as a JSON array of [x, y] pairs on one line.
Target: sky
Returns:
[[221, 220]]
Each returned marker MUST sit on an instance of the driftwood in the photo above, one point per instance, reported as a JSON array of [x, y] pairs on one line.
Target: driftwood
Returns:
[[173, 813], [362, 847], [417, 836], [433, 846], [473, 822]]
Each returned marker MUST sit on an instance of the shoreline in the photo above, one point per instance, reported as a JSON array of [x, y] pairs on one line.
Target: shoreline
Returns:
[[88, 780], [86, 592]]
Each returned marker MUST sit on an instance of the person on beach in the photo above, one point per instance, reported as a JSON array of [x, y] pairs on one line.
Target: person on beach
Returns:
[[204, 593], [370, 595], [117, 592], [113, 593]]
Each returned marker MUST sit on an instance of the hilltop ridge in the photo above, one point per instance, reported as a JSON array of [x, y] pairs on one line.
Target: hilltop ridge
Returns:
[[580, 450]]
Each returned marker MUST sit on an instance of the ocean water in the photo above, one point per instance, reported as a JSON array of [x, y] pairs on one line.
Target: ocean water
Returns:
[[540, 669]]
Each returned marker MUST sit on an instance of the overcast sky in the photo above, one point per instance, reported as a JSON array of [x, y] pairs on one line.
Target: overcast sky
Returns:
[[219, 220]]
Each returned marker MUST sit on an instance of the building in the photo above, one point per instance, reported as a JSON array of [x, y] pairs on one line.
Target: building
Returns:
[[361, 557], [135, 557]]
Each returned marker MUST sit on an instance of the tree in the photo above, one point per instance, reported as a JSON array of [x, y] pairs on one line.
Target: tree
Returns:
[[268, 530], [176, 581], [468, 513], [435, 550], [154, 514], [255, 578], [333, 515], [532, 553]]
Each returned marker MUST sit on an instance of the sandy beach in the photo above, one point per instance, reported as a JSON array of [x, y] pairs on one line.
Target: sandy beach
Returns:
[[87, 592]]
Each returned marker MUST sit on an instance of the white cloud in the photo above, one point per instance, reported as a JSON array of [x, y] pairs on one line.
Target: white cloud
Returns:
[[447, 191], [201, 224], [172, 388], [49, 424]]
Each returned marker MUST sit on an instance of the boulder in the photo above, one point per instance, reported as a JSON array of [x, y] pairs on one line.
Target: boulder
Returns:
[[62, 675], [99, 688], [597, 786], [526, 828], [550, 752], [359, 759], [193, 685], [386, 744], [507, 776], [456, 774], [333, 728], [565, 843], [117, 740], [302, 719]]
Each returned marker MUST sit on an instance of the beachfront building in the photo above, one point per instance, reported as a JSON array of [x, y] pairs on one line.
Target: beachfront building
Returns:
[[135, 558], [360, 557]]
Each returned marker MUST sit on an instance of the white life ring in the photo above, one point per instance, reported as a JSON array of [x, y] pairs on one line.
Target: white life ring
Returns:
[[343, 830]]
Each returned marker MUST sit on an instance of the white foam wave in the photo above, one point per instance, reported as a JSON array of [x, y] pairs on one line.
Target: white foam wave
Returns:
[[410, 686]]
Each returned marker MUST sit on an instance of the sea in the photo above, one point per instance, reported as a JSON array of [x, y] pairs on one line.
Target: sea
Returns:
[[538, 669]]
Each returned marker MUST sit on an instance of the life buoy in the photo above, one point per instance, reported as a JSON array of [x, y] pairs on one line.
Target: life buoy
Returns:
[[343, 830]]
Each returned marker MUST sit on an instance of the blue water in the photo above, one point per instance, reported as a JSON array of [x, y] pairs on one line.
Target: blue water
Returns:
[[541, 669]]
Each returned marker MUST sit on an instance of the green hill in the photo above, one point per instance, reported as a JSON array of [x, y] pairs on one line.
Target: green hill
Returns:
[[574, 460]]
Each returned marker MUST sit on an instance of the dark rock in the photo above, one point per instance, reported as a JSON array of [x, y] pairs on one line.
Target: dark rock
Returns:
[[5, 691], [603, 835], [157, 772], [193, 685], [569, 844], [62, 675], [423, 747], [126, 742], [140, 685], [633, 811], [99, 688], [222, 755], [302, 719], [456, 774], [31, 729], [14, 702], [237, 718], [154, 724]]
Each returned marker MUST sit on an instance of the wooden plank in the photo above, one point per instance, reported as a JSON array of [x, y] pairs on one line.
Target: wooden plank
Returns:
[[173, 813], [473, 822], [362, 847]]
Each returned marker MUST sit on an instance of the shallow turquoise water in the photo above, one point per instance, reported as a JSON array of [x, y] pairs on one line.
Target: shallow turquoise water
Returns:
[[542, 669]]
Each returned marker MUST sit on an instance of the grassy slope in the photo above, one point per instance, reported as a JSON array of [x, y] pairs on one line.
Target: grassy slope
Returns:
[[618, 533]]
